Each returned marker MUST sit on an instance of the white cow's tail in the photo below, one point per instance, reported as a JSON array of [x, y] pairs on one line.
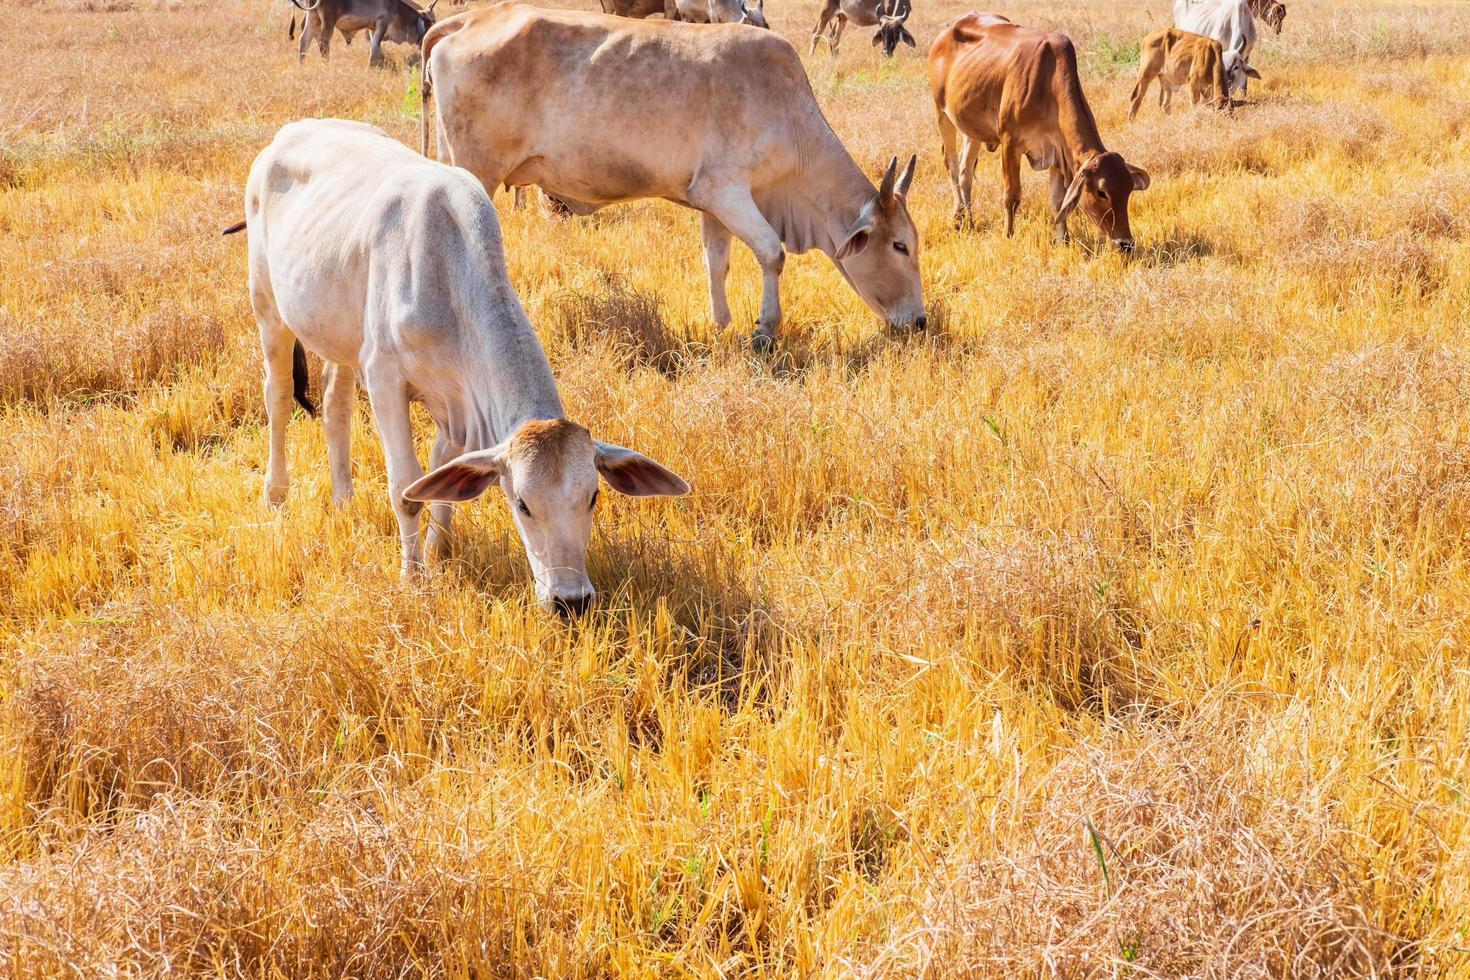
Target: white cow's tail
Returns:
[[426, 90]]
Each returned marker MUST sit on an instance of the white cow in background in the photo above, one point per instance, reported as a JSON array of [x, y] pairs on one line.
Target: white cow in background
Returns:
[[390, 266]]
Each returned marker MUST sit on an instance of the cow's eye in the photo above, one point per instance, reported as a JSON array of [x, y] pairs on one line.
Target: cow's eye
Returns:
[[521, 506], [900, 248], [1102, 193], [593, 502]]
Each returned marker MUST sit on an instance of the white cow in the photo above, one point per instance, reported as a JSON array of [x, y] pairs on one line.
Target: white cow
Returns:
[[596, 110], [1227, 21], [390, 267]]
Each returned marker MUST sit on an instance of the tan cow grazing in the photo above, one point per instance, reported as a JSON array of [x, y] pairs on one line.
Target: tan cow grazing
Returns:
[[998, 84], [596, 110], [1178, 58]]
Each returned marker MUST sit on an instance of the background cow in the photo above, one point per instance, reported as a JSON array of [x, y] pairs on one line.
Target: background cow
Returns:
[[887, 15], [996, 83], [390, 266], [399, 21], [1227, 21], [721, 12], [1178, 58], [596, 110]]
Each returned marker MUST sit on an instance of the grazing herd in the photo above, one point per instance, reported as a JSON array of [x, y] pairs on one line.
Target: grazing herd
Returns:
[[390, 267]]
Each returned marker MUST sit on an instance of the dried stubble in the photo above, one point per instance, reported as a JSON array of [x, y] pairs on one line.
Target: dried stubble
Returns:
[[1118, 626]]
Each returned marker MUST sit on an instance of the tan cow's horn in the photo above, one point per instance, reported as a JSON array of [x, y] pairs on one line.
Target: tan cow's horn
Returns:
[[885, 189]]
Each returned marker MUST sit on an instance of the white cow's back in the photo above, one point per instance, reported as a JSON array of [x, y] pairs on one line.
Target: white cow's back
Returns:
[[1227, 21]]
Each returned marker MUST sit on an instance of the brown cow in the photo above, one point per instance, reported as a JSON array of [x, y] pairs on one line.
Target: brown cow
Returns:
[[1177, 58], [1017, 88]]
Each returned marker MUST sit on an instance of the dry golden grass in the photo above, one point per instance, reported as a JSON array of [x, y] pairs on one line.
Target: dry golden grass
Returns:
[[1117, 627]]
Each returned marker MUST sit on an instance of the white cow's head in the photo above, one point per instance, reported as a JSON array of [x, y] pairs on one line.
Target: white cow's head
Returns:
[[1237, 70], [879, 254], [548, 470]]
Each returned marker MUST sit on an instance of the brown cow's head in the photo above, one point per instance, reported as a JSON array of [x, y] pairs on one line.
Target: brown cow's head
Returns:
[[879, 256], [1102, 186], [891, 15]]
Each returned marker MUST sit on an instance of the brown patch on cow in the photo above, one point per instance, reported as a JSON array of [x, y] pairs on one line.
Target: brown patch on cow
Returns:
[[545, 445]]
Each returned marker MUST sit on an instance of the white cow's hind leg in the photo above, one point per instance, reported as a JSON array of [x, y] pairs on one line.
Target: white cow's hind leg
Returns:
[[339, 390], [717, 265], [734, 208], [389, 399], [436, 542]]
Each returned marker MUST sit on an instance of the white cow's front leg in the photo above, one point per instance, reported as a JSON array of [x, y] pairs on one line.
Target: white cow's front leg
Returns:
[[436, 543], [717, 265], [277, 343], [735, 209], [339, 390], [389, 398]]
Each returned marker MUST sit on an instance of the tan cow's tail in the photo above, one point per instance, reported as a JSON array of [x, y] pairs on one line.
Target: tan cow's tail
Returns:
[[435, 34]]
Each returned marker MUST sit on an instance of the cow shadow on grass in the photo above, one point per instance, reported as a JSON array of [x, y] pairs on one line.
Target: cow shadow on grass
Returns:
[[725, 636]]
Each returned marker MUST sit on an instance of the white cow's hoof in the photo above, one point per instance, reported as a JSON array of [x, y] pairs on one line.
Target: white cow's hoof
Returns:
[[763, 340]]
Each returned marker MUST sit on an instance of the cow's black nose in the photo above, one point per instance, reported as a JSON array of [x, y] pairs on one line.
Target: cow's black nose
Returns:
[[921, 322], [571, 608]]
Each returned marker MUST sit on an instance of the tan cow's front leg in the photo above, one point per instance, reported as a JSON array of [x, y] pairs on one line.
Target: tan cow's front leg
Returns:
[[717, 265], [1010, 172], [734, 208]]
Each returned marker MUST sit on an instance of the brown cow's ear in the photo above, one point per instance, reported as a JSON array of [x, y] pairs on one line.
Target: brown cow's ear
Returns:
[[464, 478], [1073, 195], [1140, 177]]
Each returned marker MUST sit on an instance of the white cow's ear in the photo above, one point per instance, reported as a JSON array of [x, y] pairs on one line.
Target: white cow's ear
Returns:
[[857, 235], [1140, 177], [1252, 72], [635, 474], [459, 479]]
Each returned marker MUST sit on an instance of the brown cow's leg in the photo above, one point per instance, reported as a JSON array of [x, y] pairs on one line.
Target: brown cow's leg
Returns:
[[324, 40], [1010, 172], [1059, 184], [949, 138]]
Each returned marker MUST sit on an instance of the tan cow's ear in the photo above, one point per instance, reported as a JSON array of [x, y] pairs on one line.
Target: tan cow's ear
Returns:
[[635, 474], [1140, 177], [459, 479], [857, 235]]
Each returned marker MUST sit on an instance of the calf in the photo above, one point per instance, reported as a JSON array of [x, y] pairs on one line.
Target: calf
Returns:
[[1177, 58], [390, 268], [998, 84]]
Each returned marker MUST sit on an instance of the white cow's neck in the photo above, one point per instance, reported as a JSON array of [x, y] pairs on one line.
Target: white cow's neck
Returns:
[[505, 380]]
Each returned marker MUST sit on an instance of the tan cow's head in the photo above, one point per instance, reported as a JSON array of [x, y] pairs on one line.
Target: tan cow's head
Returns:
[[880, 253], [1102, 185], [548, 470]]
